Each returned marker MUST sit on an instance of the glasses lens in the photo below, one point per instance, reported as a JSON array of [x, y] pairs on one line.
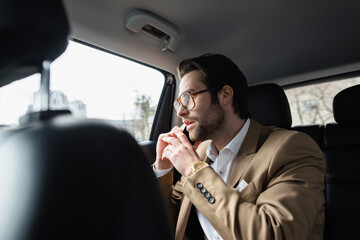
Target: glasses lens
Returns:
[[186, 100], [176, 104]]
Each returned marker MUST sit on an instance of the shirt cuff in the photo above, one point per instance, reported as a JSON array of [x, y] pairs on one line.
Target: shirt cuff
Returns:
[[161, 172]]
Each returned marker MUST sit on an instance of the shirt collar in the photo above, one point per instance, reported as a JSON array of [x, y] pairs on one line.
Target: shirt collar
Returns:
[[233, 146]]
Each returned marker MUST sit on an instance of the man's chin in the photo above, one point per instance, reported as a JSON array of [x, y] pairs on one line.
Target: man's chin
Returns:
[[193, 136]]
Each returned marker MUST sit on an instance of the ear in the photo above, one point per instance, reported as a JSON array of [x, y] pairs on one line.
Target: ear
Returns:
[[226, 95]]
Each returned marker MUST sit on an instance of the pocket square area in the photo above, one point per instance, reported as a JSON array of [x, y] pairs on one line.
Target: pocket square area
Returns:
[[241, 185]]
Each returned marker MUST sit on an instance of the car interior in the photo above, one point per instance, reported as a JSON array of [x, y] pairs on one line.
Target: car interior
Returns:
[[61, 175]]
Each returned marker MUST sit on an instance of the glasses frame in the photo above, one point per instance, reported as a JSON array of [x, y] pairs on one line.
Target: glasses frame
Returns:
[[178, 100]]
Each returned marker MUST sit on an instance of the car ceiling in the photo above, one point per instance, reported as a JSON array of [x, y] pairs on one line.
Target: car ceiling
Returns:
[[279, 41]]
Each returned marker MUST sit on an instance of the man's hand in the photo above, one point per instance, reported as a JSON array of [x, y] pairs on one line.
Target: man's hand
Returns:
[[162, 162], [179, 151]]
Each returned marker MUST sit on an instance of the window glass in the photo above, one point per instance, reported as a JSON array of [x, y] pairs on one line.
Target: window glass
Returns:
[[312, 104], [92, 84], [15, 98]]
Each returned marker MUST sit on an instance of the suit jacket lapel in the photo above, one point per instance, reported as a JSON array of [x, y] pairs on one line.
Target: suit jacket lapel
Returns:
[[242, 161], [246, 153]]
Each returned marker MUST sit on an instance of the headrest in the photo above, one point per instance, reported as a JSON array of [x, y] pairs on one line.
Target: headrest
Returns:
[[345, 105], [269, 105], [31, 31], [78, 179]]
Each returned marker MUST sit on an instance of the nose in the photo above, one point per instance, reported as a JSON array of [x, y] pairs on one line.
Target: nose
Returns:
[[182, 111]]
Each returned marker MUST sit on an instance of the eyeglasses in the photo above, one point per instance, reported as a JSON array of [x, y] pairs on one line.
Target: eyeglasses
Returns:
[[187, 100]]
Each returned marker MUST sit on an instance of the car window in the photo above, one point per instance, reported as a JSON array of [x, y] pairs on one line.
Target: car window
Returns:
[[312, 104], [15, 99], [92, 84]]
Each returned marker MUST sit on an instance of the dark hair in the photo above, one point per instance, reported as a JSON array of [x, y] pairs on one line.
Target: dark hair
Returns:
[[219, 71]]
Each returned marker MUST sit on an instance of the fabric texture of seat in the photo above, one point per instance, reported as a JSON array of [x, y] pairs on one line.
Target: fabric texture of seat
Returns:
[[342, 151], [67, 179]]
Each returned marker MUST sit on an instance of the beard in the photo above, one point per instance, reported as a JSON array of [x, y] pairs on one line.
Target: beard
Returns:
[[210, 122]]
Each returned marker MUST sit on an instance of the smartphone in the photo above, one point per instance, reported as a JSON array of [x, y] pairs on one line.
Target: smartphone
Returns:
[[186, 132]]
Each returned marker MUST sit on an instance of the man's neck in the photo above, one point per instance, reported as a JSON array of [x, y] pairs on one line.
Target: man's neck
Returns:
[[231, 127]]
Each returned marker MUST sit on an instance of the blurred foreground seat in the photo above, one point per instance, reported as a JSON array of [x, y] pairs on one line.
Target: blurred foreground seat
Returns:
[[62, 178], [66, 179], [31, 31]]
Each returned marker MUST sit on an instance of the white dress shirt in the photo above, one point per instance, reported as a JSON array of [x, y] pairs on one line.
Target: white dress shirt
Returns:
[[222, 163]]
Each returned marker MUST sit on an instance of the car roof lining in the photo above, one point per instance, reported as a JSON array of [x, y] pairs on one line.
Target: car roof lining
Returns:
[[283, 42]]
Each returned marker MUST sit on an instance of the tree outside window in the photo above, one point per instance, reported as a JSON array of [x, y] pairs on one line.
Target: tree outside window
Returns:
[[312, 104]]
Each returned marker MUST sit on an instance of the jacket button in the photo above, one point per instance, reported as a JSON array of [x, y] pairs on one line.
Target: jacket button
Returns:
[[199, 185], [203, 190], [211, 200], [207, 195]]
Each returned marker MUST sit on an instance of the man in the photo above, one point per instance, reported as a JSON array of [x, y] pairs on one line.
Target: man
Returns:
[[248, 181]]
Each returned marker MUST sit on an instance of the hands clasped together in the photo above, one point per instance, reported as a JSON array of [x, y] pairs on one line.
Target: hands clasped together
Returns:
[[174, 149]]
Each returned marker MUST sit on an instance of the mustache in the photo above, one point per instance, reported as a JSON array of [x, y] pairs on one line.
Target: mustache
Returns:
[[190, 119]]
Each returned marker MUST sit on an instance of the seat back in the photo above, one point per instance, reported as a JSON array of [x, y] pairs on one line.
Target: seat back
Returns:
[[62, 178], [315, 131], [342, 151], [77, 179], [269, 106]]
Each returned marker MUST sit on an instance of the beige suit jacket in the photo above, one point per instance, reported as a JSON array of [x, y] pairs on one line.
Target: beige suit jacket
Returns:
[[284, 198]]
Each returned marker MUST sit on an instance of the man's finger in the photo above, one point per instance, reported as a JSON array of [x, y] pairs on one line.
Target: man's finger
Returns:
[[169, 134], [167, 153], [172, 141], [183, 139], [174, 129]]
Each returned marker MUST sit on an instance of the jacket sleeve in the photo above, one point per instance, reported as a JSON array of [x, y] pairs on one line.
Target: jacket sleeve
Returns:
[[284, 201], [173, 194]]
